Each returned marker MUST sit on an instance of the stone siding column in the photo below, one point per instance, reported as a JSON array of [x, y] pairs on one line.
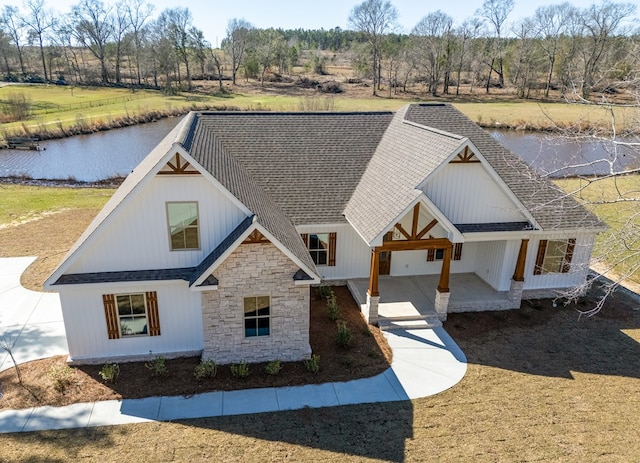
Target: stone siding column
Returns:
[[441, 304]]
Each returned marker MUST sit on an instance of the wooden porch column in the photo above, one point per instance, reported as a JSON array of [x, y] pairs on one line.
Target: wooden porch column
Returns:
[[373, 274], [518, 274], [443, 286]]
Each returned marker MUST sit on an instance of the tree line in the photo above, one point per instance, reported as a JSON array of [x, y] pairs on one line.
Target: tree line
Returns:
[[560, 47]]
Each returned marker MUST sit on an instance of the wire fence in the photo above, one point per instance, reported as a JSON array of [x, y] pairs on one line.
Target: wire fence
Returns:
[[46, 107]]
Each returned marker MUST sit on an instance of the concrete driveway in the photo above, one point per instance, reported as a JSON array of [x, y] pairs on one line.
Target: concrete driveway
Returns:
[[31, 321]]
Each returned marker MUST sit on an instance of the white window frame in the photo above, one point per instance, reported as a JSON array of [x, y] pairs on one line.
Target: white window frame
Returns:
[[256, 317], [171, 226], [123, 334]]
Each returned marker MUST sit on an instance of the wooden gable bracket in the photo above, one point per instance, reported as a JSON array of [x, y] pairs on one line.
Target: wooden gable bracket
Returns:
[[177, 166], [415, 234], [255, 237], [465, 157]]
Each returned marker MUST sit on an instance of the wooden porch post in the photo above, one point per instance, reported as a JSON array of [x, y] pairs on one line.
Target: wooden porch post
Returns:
[[443, 286], [373, 273], [518, 274]]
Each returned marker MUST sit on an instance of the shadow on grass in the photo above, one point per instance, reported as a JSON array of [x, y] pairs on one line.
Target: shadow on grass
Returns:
[[376, 430], [552, 341]]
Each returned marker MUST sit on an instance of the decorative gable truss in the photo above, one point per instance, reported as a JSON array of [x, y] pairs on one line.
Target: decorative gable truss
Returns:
[[177, 165], [466, 156]]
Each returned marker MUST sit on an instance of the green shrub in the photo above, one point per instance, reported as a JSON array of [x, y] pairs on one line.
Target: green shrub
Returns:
[[343, 334], [240, 370], [273, 367], [109, 372], [158, 366], [333, 311], [312, 364], [324, 292], [62, 377], [206, 369]]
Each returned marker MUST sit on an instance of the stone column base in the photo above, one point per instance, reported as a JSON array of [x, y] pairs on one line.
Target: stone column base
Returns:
[[515, 293], [442, 303], [371, 314]]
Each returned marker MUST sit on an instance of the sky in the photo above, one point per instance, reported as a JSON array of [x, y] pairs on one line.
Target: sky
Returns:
[[212, 16]]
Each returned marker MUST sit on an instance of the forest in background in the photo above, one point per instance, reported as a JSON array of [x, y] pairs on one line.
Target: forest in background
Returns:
[[560, 51]]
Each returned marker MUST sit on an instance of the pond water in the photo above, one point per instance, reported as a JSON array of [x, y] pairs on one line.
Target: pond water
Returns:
[[88, 158], [114, 153]]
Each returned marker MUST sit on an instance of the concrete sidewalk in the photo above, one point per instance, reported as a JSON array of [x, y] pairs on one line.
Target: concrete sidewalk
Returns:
[[31, 320], [425, 362]]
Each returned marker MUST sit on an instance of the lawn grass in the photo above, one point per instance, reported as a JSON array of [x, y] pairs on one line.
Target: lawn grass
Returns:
[[21, 203], [57, 108], [540, 387], [615, 201]]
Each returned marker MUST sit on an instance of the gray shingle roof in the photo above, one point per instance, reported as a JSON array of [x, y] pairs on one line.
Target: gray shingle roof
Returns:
[[126, 276], [549, 205], [493, 227], [308, 163], [209, 151], [406, 155]]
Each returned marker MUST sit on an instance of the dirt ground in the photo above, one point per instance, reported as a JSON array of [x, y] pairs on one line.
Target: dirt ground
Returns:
[[368, 355]]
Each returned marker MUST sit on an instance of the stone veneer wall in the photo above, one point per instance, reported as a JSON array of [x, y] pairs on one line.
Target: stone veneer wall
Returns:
[[256, 270]]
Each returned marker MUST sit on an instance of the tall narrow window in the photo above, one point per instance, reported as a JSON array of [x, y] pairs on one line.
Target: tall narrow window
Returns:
[[257, 312], [554, 256], [322, 247], [183, 225]]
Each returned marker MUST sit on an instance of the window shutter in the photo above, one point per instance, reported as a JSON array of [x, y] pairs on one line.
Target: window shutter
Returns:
[[111, 315], [566, 264], [332, 250], [542, 248], [457, 251], [153, 320], [431, 255], [305, 239]]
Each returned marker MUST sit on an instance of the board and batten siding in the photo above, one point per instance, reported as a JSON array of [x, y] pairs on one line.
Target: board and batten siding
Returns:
[[404, 263], [466, 193], [579, 262], [353, 256], [85, 324], [138, 237]]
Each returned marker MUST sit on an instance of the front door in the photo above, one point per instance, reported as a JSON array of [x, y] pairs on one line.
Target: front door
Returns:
[[385, 257]]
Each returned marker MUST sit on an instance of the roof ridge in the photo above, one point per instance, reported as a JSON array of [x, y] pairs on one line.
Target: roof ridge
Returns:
[[296, 113], [187, 131]]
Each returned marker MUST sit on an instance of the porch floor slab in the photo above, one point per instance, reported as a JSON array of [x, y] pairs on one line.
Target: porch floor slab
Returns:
[[405, 297]]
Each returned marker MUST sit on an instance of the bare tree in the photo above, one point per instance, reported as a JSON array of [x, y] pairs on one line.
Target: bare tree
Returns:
[[235, 44], [551, 22], [38, 20], [496, 12], [433, 34], [179, 22], [138, 12], [468, 31], [10, 20], [93, 28], [374, 18]]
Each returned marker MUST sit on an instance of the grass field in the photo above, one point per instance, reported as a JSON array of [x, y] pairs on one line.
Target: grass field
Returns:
[[540, 387], [615, 201], [59, 108]]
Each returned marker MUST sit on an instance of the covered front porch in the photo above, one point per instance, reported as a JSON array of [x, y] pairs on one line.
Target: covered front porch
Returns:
[[409, 301]]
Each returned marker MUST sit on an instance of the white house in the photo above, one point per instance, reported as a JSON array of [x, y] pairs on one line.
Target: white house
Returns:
[[212, 243]]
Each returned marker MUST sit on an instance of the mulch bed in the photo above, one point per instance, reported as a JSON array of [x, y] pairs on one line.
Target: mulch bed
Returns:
[[368, 355]]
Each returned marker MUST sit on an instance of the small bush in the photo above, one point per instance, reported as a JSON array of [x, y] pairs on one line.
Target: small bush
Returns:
[[62, 377], [312, 364], [333, 311], [344, 337], [109, 372], [158, 366], [206, 369], [273, 367], [240, 370], [324, 292]]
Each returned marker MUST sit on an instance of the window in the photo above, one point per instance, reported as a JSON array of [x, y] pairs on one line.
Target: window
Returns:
[[322, 247], [256, 316], [438, 254], [554, 256], [183, 225], [133, 314]]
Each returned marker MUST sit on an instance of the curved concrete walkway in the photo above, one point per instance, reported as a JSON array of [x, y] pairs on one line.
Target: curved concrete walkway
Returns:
[[425, 362]]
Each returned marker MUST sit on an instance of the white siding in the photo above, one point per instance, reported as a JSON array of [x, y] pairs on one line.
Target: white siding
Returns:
[[415, 262], [138, 238], [579, 263], [85, 324], [494, 261], [466, 193], [353, 256]]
